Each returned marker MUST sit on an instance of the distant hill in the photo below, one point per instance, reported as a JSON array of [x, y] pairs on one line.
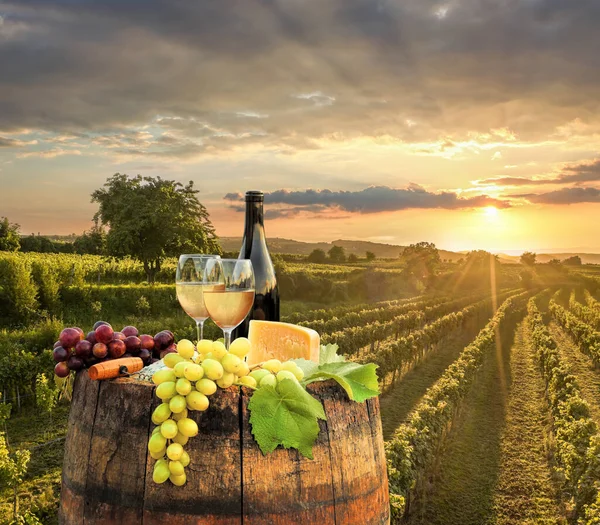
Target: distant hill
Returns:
[[359, 248], [586, 258]]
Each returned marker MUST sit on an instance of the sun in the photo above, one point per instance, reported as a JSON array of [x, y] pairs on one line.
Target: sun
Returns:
[[490, 211]]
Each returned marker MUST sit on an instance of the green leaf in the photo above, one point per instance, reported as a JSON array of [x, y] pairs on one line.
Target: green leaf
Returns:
[[286, 415], [359, 381], [328, 354]]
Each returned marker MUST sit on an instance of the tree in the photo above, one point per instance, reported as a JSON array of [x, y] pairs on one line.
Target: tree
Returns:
[[151, 218], [38, 243], [317, 256], [92, 241], [352, 258], [370, 256], [422, 260], [337, 254], [528, 258], [9, 236], [575, 260]]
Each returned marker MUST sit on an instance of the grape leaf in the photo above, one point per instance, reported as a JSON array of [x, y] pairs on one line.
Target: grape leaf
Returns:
[[359, 381], [286, 415]]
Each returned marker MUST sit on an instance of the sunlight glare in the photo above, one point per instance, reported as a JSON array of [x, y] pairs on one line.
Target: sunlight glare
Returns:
[[490, 211]]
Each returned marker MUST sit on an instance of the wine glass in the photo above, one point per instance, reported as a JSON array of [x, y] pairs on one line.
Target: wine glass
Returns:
[[190, 287], [231, 293]]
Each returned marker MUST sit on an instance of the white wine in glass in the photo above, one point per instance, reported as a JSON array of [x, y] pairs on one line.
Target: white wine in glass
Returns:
[[190, 288], [232, 298]]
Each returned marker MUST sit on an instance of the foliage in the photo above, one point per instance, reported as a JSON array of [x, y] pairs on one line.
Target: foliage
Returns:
[[9, 236], [317, 256], [91, 242], [337, 254], [575, 260], [46, 395], [422, 261], [151, 218], [414, 444], [370, 256], [528, 258], [352, 258], [17, 290]]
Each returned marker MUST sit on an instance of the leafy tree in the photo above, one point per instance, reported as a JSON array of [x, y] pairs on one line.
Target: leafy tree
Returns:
[[352, 258], [9, 236], [317, 256], [370, 256], [575, 260], [528, 258], [152, 218], [337, 254], [92, 241], [39, 243], [422, 260]]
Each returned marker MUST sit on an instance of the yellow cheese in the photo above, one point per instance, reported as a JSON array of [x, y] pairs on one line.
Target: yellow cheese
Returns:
[[283, 341]]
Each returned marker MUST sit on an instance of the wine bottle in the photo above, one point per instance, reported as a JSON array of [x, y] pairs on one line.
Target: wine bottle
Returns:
[[254, 247]]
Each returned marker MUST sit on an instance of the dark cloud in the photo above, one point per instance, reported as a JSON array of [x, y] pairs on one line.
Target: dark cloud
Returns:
[[6, 142], [563, 196], [374, 199], [572, 174], [287, 73]]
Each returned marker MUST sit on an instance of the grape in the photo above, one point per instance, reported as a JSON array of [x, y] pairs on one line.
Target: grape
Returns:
[[161, 413], [286, 374], [147, 342], [185, 459], [178, 481], [218, 350], [163, 340], [160, 454], [207, 356], [169, 429], [100, 350], [163, 375], [247, 381], [243, 369], [227, 380], [186, 349], [119, 335], [60, 354], [179, 368], [130, 331], [197, 401], [181, 415], [259, 374], [272, 365], [156, 443], [166, 390], [176, 468], [231, 363], [204, 346], [156, 430], [183, 386], [116, 348], [69, 337], [99, 323], [177, 404], [83, 349], [56, 344], [206, 387], [133, 344], [193, 372], [187, 427], [181, 439], [161, 473], [212, 369], [61, 369], [172, 359], [104, 334], [145, 355], [269, 380], [174, 451], [91, 337], [240, 347]]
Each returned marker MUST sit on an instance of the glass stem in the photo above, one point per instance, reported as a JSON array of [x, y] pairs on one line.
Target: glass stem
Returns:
[[227, 338], [201, 335]]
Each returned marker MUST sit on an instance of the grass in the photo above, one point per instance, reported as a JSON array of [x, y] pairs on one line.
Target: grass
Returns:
[[40, 490], [399, 401]]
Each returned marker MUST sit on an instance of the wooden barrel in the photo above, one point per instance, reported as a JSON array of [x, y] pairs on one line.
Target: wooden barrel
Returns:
[[107, 472]]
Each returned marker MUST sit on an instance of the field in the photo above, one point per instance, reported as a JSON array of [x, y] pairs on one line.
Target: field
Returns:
[[490, 383]]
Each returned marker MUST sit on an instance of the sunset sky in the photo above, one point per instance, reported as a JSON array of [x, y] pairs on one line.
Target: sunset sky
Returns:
[[468, 123]]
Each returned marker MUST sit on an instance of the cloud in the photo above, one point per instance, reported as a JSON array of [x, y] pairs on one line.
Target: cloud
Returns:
[[563, 196], [7, 142], [374, 199], [48, 154], [313, 70], [588, 171]]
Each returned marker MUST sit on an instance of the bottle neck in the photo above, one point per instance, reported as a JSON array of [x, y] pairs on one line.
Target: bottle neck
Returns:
[[254, 228]]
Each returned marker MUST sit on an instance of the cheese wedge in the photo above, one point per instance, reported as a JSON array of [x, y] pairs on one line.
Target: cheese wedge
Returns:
[[283, 341]]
